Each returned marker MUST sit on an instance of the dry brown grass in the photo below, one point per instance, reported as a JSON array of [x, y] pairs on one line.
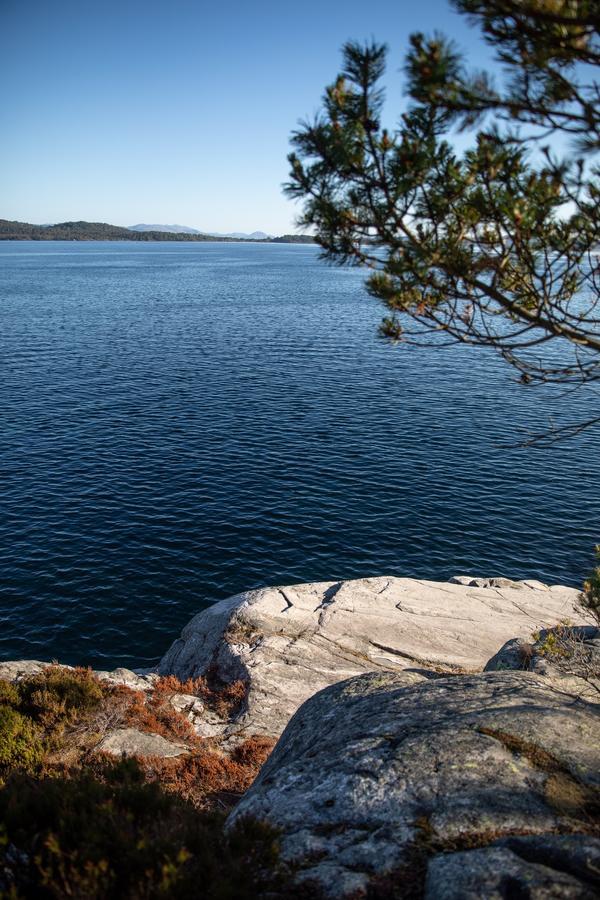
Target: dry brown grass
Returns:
[[224, 698], [254, 751], [153, 713], [526, 654], [208, 776]]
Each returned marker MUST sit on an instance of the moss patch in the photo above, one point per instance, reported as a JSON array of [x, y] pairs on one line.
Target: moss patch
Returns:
[[563, 791]]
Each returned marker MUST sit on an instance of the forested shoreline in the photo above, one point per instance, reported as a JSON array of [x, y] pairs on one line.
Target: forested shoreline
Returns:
[[101, 231]]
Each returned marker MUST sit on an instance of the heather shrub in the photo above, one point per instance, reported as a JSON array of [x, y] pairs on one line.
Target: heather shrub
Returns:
[[208, 777], [112, 835], [20, 744], [225, 698], [57, 696], [9, 695], [253, 752]]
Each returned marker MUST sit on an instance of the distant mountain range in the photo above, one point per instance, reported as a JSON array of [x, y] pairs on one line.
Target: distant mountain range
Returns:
[[174, 229], [101, 231], [184, 229]]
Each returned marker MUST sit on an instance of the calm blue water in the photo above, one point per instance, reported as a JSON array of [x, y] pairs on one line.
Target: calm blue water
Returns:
[[184, 421]]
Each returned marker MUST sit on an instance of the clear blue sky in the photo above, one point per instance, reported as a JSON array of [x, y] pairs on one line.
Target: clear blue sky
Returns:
[[177, 111]]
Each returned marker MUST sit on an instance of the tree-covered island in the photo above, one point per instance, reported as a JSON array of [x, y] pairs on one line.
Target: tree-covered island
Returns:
[[101, 231]]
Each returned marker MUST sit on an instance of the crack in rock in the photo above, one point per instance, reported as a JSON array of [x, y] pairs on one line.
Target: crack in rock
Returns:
[[289, 604], [395, 652], [329, 595]]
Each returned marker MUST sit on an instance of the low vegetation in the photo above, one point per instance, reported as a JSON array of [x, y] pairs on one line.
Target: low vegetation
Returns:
[[107, 833], [569, 652], [77, 823], [589, 600]]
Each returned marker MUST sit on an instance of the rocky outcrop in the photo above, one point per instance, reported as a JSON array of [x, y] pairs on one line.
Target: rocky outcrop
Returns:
[[284, 644], [287, 643], [404, 770], [457, 787]]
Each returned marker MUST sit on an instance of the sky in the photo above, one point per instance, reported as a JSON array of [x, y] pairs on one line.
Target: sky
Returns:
[[179, 111]]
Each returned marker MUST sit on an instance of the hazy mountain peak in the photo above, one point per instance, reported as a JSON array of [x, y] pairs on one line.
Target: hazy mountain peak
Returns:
[[173, 229], [184, 229]]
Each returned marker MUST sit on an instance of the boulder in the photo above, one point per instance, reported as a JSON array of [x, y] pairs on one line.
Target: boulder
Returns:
[[128, 678], [536, 867], [131, 742], [287, 643], [376, 778]]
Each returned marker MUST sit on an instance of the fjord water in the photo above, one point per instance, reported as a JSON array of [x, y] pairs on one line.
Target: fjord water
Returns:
[[184, 421]]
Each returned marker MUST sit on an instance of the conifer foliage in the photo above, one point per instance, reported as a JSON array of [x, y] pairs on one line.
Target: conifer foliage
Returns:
[[495, 246]]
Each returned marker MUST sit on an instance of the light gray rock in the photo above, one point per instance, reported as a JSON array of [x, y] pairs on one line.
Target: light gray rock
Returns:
[[498, 581], [204, 721], [287, 643], [539, 868], [128, 678], [371, 771], [131, 742], [15, 670]]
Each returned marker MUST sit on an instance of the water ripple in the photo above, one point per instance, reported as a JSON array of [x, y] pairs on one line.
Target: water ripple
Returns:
[[181, 422]]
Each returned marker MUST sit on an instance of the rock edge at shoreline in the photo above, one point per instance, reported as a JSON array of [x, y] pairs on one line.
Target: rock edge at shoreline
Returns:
[[287, 643]]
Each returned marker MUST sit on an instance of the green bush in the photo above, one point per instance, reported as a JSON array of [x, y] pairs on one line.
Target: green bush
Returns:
[[20, 744], [57, 696], [9, 694]]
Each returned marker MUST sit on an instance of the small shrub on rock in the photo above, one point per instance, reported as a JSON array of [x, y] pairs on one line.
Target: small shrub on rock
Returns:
[[153, 713], [589, 599], [570, 651], [20, 744], [254, 751], [9, 695], [225, 698], [57, 696], [170, 684]]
